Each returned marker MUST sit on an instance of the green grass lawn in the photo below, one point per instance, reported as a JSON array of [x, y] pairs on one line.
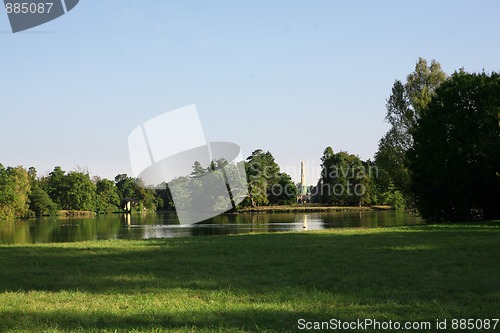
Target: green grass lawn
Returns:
[[246, 283]]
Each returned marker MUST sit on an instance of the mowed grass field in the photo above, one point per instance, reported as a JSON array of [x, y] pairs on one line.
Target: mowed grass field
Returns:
[[258, 282]]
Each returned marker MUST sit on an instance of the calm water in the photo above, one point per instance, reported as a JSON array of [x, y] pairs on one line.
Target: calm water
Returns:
[[165, 225]]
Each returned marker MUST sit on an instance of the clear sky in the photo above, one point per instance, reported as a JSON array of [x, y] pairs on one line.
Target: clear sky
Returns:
[[291, 76]]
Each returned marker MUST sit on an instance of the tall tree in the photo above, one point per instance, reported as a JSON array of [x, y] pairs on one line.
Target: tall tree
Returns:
[[132, 188], [455, 164], [322, 193], [208, 189], [163, 197], [80, 192], [344, 179], [126, 186], [56, 187], [40, 202], [14, 192], [262, 175], [405, 106], [198, 170], [145, 196], [284, 192], [5, 195], [108, 199]]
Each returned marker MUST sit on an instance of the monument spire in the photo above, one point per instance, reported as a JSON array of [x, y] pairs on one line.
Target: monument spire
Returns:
[[302, 178], [303, 196]]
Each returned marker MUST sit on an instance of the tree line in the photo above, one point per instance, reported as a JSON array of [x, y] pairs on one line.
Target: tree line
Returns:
[[346, 180], [440, 156], [25, 194]]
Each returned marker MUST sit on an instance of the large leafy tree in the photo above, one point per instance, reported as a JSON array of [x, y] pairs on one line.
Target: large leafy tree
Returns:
[[145, 196], [55, 186], [455, 161], [80, 192], [15, 188], [344, 179], [208, 188], [163, 197], [256, 167], [135, 189], [284, 192], [326, 170], [74, 190], [108, 199], [263, 175], [40, 202], [126, 186], [405, 106], [21, 188]]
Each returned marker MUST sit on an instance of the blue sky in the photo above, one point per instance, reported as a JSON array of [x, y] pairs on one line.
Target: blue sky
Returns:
[[291, 77]]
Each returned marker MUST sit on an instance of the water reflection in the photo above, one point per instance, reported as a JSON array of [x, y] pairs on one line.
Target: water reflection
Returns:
[[166, 225]]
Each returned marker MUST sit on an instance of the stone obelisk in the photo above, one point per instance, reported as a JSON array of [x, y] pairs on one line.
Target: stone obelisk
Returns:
[[302, 178]]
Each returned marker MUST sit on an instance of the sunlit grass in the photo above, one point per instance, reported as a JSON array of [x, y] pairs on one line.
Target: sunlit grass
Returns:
[[254, 282]]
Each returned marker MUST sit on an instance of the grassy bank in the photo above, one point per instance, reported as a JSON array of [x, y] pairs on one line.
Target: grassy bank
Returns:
[[252, 282], [76, 213]]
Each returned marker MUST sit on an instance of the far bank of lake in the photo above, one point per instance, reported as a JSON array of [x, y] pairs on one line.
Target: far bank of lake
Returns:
[[311, 208]]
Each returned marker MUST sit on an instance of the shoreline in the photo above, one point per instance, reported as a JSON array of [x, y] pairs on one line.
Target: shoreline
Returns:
[[247, 210], [76, 213], [310, 208]]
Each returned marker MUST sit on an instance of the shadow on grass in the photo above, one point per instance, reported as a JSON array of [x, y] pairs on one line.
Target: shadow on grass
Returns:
[[247, 320], [319, 261], [455, 266]]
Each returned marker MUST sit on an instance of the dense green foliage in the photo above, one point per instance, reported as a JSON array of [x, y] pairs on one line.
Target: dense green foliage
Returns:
[[24, 194], [250, 283], [79, 192], [455, 160], [40, 202], [55, 186], [15, 189], [345, 179], [405, 107], [441, 152], [266, 184], [205, 187], [108, 196]]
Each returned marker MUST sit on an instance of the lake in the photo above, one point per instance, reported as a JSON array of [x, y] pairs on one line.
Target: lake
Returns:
[[166, 225]]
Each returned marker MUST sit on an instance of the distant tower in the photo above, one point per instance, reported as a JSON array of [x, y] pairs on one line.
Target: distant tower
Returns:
[[303, 196], [302, 178]]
